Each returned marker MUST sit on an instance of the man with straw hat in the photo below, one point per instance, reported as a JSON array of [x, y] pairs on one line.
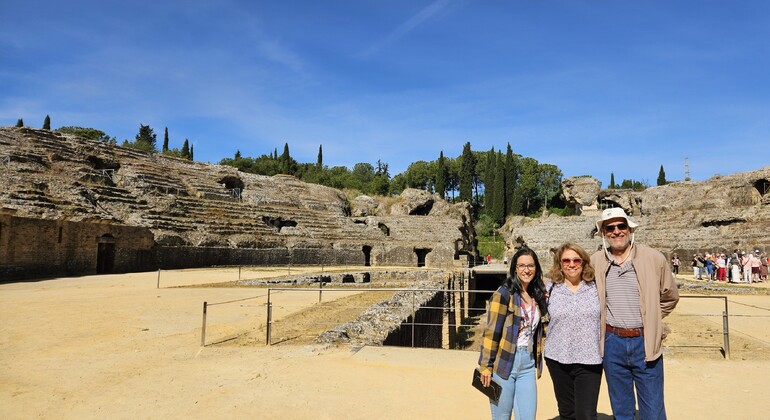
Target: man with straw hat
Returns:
[[636, 290]]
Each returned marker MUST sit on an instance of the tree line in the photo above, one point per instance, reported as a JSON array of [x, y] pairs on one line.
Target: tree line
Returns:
[[496, 184]]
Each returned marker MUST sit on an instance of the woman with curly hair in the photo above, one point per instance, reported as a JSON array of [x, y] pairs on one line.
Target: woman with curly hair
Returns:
[[572, 348]]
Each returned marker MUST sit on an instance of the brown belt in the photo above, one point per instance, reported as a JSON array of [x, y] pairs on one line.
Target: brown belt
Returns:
[[623, 332]]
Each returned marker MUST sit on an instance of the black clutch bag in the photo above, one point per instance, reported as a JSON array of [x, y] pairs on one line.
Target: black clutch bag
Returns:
[[492, 391]]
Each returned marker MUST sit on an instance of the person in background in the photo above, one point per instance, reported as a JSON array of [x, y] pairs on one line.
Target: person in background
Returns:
[[675, 263], [636, 291], [756, 265], [764, 267], [511, 345], [735, 268], [721, 267], [572, 347], [746, 266], [709, 263], [695, 268]]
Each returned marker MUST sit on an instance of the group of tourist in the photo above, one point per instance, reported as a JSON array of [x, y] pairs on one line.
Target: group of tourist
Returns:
[[738, 267], [598, 315]]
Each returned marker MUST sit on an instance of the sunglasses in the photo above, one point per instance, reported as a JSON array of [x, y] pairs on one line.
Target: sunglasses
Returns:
[[575, 261], [620, 226]]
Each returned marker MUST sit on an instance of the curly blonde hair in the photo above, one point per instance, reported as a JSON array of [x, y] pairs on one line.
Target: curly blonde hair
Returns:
[[557, 276]]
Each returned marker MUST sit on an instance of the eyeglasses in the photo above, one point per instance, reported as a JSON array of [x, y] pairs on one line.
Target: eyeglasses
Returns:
[[575, 261], [525, 266], [611, 228]]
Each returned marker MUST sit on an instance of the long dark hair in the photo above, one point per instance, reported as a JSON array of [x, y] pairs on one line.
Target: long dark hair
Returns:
[[536, 287]]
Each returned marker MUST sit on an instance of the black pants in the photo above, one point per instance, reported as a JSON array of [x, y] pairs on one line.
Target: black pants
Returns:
[[576, 387]]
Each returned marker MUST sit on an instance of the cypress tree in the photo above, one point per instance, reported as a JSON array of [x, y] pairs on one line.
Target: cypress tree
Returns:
[[20, 123], [467, 172], [612, 180], [662, 176], [284, 160], [511, 179], [165, 141], [191, 152], [441, 175], [47, 123], [186, 149], [320, 162], [498, 207], [489, 182]]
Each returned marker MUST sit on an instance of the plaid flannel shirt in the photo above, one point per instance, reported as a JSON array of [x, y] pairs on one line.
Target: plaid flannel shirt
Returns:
[[498, 344]]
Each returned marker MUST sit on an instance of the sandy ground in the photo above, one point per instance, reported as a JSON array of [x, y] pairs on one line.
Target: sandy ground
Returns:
[[116, 346]]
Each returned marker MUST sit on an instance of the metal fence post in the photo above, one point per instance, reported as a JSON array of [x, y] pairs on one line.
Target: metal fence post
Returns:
[[269, 317], [320, 288], [726, 329], [203, 327], [157, 286]]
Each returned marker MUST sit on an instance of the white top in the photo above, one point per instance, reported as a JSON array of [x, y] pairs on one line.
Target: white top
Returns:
[[573, 333], [531, 317]]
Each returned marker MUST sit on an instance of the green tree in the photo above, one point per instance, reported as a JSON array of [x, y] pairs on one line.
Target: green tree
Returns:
[[145, 140], [421, 175], [165, 141], [88, 133], [20, 123], [467, 173], [498, 205], [612, 180], [186, 149], [528, 191], [549, 182], [442, 173], [511, 179], [47, 123], [662, 176], [192, 152], [489, 182], [320, 161]]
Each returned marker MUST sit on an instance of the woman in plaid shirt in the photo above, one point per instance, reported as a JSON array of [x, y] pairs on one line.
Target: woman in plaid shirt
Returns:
[[511, 348]]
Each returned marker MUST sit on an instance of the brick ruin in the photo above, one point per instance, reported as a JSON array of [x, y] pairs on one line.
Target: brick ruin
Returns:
[[72, 206]]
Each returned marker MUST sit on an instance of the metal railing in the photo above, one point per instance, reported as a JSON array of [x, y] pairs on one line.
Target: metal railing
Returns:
[[466, 310], [725, 320]]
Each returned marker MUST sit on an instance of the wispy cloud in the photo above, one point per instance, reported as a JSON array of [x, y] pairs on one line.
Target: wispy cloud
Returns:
[[434, 9]]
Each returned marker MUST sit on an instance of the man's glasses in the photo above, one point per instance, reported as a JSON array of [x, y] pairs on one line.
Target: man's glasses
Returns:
[[525, 266], [611, 228], [575, 261]]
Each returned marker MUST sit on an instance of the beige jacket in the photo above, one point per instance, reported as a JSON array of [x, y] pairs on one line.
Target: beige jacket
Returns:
[[658, 294]]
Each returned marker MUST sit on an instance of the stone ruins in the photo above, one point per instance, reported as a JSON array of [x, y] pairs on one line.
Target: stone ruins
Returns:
[[72, 206], [722, 214]]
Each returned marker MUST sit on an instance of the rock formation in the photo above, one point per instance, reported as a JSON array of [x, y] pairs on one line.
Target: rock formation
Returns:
[[74, 206], [724, 213]]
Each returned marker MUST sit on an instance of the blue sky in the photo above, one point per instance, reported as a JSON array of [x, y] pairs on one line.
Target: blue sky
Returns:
[[593, 86]]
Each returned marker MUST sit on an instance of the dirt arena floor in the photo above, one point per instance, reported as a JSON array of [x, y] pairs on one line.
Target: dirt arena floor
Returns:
[[118, 347]]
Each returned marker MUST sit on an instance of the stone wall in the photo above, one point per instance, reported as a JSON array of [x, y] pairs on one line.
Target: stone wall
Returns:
[[197, 214], [40, 248]]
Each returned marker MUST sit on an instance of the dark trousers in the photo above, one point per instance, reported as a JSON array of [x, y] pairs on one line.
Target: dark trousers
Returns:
[[576, 387]]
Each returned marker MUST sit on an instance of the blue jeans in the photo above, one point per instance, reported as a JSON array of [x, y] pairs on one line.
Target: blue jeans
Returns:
[[624, 370], [519, 392]]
